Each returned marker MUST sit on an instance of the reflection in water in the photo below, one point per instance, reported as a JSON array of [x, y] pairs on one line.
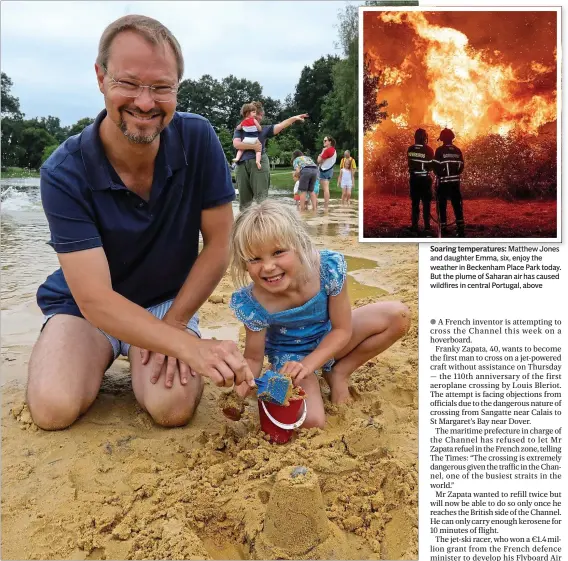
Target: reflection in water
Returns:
[[357, 289], [338, 221]]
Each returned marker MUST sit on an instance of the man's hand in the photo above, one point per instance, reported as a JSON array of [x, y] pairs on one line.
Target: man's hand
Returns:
[[301, 117], [221, 361], [168, 366], [296, 370]]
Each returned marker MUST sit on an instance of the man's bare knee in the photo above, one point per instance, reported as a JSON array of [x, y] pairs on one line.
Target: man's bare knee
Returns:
[[172, 418], [170, 415], [173, 407], [50, 411], [65, 371]]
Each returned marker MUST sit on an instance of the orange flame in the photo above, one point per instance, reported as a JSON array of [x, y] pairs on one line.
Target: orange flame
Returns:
[[472, 92]]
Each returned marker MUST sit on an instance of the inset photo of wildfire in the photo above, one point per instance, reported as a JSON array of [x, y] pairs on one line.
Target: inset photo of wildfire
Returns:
[[459, 118]]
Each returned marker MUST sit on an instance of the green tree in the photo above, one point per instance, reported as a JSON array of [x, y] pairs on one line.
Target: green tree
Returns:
[[282, 146], [226, 139], [332, 124], [340, 107], [340, 111], [79, 126], [203, 97], [315, 83], [10, 105], [53, 127], [12, 120], [289, 108], [273, 109], [34, 141], [48, 151], [12, 151], [237, 92], [221, 101]]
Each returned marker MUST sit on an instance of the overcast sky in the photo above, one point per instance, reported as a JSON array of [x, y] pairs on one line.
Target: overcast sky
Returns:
[[49, 48]]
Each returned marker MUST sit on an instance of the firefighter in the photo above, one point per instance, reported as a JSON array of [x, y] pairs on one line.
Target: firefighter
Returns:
[[420, 163], [448, 166]]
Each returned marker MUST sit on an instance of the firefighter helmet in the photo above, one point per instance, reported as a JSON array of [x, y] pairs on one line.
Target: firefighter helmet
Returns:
[[421, 136], [446, 136]]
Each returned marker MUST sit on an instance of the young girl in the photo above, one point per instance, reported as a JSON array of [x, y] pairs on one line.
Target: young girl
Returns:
[[346, 180], [296, 178], [251, 128], [297, 312]]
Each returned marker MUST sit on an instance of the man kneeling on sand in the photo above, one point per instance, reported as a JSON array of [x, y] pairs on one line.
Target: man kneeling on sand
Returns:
[[125, 211]]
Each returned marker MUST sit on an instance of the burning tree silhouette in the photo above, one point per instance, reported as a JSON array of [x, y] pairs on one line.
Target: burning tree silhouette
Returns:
[[373, 112], [510, 167]]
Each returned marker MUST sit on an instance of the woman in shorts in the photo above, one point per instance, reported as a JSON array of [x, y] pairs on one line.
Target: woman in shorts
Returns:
[[326, 161]]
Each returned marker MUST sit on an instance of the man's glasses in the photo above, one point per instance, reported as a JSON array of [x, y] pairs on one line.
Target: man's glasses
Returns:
[[133, 88]]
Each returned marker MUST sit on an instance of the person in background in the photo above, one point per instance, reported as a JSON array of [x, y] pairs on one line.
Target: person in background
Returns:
[[448, 166], [420, 163], [252, 182], [125, 211], [251, 127], [326, 161], [347, 156], [314, 200], [296, 178], [307, 171], [346, 180]]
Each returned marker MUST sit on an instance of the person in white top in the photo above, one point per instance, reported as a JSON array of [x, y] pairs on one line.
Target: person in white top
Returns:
[[346, 180]]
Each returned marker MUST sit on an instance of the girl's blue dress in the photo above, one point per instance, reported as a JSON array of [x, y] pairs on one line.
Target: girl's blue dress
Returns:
[[295, 333]]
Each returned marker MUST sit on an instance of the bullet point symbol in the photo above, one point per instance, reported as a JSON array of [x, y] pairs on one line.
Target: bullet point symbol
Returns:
[[432, 321]]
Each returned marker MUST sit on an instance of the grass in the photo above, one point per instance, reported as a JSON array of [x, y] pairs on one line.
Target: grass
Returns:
[[281, 178], [13, 173]]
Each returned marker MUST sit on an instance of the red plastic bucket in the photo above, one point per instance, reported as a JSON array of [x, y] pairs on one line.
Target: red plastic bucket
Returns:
[[279, 421]]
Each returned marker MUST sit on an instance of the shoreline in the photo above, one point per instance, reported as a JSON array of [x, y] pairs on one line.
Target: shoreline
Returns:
[[116, 486]]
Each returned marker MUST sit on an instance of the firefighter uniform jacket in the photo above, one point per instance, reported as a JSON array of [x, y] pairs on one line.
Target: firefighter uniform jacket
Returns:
[[448, 163], [420, 160]]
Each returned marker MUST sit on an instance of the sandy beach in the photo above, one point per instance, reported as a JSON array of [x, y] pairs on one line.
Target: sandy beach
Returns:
[[115, 486]]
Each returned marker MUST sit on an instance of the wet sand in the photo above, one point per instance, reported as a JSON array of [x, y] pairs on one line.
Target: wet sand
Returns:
[[115, 486]]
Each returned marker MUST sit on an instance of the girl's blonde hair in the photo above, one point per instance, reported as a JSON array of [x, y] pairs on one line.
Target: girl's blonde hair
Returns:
[[269, 222]]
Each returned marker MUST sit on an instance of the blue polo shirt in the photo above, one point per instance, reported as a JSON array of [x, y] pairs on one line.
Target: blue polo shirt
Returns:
[[150, 246]]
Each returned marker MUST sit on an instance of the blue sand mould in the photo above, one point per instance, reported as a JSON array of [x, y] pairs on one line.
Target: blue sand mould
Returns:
[[273, 387]]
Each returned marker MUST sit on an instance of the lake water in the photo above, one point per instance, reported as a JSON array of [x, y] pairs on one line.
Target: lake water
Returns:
[[26, 259]]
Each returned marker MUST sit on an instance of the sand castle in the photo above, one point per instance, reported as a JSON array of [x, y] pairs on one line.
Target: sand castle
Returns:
[[296, 525]]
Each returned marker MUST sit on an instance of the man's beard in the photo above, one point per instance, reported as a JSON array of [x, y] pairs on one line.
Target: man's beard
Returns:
[[138, 138]]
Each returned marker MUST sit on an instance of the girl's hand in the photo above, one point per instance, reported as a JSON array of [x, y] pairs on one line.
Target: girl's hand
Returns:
[[242, 389], [296, 370]]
